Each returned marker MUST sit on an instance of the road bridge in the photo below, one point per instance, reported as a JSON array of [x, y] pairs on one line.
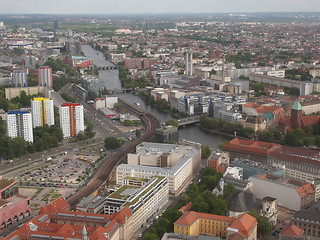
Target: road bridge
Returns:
[[108, 68], [187, 121]]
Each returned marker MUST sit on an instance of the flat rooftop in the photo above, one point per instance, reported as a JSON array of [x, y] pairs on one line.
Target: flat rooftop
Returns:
[[5, 183]]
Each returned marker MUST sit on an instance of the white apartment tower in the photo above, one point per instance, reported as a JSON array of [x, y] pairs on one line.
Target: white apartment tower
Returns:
[[42, 112], [19, 124], [71, 119], [45, 76]]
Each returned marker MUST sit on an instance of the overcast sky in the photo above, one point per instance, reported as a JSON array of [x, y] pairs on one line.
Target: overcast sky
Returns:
[[156, 6]]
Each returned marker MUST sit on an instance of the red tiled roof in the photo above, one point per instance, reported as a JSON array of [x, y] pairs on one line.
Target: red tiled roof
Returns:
[[123, 215], [250, 146], [305, 190], [309, 120], [188, 218], [186, 207], [245, 224], [59, 204], [296, 155], [292, 231], [251, 105]]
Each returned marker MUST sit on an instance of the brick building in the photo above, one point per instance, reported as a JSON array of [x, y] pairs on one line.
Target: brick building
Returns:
[[57, 221], [13, 207], [248, 149]]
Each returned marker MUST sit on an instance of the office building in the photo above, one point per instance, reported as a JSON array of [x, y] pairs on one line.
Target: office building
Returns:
[[45, 76], [13, 207], [290, 193], [298, 163], [42, 112], [144, 197], [176, 162], [19, 124], [19, 79], [71, 119]]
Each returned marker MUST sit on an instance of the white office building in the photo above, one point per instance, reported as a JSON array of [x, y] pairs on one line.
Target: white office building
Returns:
[[19, 124], [176, 162], [42, 112]]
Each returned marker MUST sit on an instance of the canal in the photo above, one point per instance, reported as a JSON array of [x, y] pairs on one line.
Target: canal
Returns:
[[111, 81]]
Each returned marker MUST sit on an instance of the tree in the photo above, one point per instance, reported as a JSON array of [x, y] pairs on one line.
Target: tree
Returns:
[[172, 122], [291, 139], [127, 123], [138, 133], [205, 152], [228, 188], [111, 143], [91, 95], [264, 225]]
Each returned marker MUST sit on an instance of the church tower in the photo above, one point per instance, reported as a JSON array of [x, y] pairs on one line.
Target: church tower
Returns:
[[296, 114]]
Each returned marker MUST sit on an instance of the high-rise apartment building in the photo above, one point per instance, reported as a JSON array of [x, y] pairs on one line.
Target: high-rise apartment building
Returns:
[[19, 79], [71, 119], [45, 76], [42, 112], [19, 124]]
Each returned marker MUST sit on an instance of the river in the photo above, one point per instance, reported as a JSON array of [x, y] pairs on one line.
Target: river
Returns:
[[112, 81]]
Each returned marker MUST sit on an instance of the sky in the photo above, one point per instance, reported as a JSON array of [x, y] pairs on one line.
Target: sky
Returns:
[[154, 6]]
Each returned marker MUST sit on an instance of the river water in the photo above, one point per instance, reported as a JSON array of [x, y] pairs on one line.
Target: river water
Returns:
[[112, 81]]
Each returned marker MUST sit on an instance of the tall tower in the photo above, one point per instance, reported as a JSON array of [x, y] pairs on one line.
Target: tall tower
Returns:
[[191, 62], [223, 77], [19, 124], [187, 63], [42, 112], [71, 119], [296, 114], [55, 28], [45, 76]]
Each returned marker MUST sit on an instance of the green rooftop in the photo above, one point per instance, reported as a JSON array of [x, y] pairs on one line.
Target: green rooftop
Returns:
[[5, 183], [145, 189], [136, 179], [117, 194], [296, 105]]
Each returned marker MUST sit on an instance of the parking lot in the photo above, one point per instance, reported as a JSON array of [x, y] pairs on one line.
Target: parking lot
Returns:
[[68, 171]]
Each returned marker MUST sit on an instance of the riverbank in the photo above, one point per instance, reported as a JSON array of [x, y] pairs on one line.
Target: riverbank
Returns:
[[220, 133]]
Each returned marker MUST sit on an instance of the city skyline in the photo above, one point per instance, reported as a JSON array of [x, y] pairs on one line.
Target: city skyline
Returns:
[[157, 6]]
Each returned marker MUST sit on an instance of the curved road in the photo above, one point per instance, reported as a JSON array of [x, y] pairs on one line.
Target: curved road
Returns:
[[111, 162]]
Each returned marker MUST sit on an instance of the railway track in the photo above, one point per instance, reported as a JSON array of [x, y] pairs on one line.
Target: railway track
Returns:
[[109, 163]]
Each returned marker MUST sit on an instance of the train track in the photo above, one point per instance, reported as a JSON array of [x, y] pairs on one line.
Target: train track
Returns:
[[109, 163]]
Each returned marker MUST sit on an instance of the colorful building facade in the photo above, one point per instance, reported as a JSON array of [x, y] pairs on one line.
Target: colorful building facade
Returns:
[[42, 112]]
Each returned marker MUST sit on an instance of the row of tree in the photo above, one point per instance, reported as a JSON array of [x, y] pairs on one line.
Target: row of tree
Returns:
[[44, 138], [296, 138], [222, 126]]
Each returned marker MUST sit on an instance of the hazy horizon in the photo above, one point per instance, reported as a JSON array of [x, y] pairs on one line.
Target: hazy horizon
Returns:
[[156, 6]]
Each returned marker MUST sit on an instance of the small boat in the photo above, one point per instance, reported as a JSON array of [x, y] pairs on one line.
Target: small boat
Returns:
[[138, 104], [109, 70]]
